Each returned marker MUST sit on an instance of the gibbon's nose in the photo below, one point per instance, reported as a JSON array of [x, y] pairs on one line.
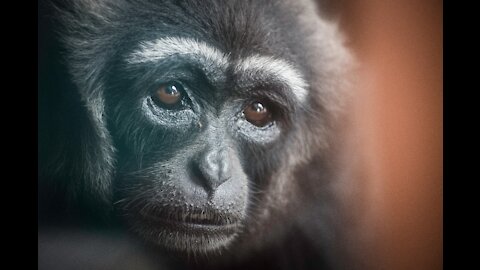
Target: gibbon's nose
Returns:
[[214, 165]]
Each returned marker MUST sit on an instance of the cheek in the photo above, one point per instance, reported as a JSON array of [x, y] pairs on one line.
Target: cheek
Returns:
[[146, 135]]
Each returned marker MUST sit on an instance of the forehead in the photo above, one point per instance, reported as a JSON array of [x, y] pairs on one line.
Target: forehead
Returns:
[[254, 38], [237, 27]]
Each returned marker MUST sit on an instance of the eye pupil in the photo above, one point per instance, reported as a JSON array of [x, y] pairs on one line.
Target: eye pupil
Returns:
[[258, 107], [172, 90], [169, 94], [257, 114]]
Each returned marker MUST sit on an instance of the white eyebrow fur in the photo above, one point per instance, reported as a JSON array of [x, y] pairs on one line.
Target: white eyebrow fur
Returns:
[[213, 59], [165, 47], [278, 68]]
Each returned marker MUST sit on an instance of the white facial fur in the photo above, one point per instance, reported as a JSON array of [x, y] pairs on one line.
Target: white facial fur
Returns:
[[212, 60], [277, 68]]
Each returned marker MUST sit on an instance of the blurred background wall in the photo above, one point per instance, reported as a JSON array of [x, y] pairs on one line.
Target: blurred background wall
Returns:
[[398, 125]]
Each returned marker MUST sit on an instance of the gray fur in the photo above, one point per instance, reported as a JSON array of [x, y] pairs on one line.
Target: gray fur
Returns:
[[99, 35]]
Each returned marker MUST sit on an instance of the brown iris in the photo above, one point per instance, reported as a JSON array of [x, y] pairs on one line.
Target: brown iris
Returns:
[[169, 94], [257, 114]]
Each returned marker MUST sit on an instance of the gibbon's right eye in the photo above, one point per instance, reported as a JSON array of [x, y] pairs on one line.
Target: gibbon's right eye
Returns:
[[169, 95]]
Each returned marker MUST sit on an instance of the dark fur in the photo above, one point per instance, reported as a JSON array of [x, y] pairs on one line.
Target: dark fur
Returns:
[[91, 146]]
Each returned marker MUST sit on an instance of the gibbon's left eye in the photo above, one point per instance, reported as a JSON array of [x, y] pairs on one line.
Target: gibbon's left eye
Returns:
[[169, 94], [258, 114]]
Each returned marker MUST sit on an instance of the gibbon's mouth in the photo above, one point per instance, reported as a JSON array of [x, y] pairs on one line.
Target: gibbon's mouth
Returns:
[[187, 236], [194, 222], [192, 227]]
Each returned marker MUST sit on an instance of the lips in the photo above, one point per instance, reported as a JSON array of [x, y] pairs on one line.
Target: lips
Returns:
[[193, 221], [185, 230], [193, 228]]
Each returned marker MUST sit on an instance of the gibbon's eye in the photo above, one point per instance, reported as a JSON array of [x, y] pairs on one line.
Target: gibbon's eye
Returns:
[[169, 94], [258, 114]]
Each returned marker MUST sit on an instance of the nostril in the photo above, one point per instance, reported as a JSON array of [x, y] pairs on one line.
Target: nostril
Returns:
[[224, 171], [225, 179], [196, 175]]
